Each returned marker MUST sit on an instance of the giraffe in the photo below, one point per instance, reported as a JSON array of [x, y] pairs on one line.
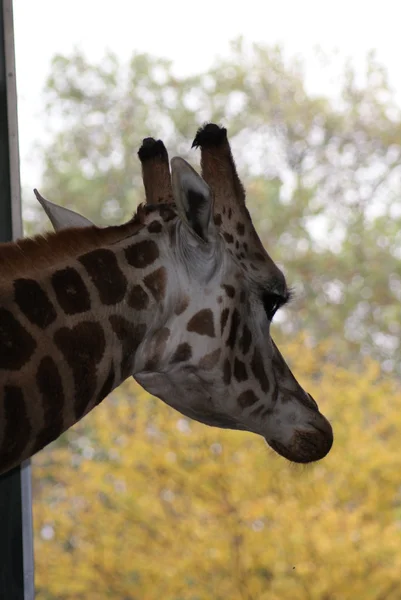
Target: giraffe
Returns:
[[181, 297]]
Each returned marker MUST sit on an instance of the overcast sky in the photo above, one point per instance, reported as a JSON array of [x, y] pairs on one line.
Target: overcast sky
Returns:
[[191, 34]]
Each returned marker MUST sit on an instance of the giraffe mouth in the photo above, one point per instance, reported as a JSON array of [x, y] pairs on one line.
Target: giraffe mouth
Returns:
[[306, 446]]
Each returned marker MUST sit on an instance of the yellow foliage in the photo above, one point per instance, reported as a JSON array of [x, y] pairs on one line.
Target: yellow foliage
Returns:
[[140, 503]]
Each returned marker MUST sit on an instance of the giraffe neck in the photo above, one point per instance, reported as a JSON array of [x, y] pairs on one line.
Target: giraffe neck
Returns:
[[71, 332]]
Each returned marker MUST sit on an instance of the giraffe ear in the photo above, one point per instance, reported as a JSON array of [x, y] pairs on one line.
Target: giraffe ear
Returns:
[[193, 198], [60, 217]]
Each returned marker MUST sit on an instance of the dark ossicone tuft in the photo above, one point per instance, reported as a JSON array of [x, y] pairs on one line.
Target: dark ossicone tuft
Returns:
[[210, 135], [152, 148]]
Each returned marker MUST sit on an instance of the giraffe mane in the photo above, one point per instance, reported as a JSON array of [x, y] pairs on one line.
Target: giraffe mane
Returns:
[[24, 256]]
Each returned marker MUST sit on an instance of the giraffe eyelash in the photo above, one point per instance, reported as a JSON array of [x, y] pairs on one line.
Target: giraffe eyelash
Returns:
[[290, 295]]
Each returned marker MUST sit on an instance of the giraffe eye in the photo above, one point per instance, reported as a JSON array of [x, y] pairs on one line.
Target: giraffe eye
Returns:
[[271, 303]]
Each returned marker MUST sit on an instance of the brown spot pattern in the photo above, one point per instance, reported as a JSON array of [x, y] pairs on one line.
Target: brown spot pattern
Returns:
[[217, 220], [156, 282], [107, 386], [167, 213], [50, 387], [202, 323], [228, 237], [279, 363], [142, 254], [223, 319], [247, 398], [235, 321], [155, 227], [103, 269], [138, 298], [181, 305], [71, 291], [245, 339], [83, 347], [182, 353], [209, 361], [240, 373], [259, 370], [227, 371], [16, 344], [130, 336], [229, 289], [33, 302], [17, 426], [240, 229]]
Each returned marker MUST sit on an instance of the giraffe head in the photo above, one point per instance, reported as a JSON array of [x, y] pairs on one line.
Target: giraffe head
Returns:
[[210, 355]]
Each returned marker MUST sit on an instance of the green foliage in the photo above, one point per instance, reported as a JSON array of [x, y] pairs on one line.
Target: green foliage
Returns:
[[137, 502], [141, 503], [322, 176]]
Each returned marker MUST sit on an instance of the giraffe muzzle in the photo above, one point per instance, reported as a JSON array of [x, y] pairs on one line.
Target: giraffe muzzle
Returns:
[[307, 445]]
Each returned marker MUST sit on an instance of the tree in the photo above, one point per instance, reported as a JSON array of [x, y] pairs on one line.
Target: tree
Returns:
[[322, 176], [142, 503], [138, 502]]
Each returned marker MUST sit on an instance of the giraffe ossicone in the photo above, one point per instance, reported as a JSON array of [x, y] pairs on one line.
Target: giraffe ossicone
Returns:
[[181, 297]]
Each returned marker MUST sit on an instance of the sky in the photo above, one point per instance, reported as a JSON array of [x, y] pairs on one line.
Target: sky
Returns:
[[191, 35]]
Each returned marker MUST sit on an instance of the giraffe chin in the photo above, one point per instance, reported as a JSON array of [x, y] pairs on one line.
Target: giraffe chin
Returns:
[[306, 446]]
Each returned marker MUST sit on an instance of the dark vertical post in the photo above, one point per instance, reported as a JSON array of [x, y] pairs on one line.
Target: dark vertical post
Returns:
[[16, 541]]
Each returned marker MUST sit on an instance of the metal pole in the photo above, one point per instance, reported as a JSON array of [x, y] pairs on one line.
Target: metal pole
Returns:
[[16, 538]]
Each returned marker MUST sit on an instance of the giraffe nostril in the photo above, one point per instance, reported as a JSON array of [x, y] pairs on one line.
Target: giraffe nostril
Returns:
[[307, 446]]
